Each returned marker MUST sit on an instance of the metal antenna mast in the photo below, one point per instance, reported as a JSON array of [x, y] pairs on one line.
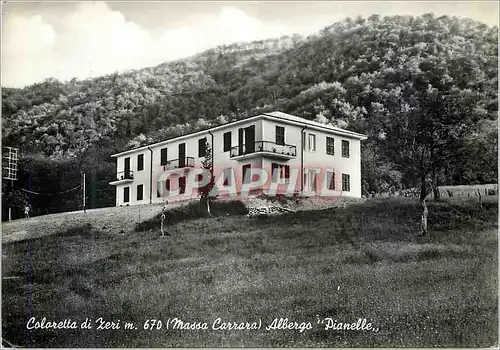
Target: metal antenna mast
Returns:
[[10, 161]]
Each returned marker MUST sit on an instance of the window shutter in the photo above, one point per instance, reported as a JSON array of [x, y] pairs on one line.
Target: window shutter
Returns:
[[332, 181]]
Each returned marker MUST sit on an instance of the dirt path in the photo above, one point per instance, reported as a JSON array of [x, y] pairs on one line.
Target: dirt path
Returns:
[[109, 219]]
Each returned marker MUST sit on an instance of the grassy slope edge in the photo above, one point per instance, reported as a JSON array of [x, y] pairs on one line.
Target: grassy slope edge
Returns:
[[360, 261]]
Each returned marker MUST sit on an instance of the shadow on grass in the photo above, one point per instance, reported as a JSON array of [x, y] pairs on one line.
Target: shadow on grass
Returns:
[[192, 211]]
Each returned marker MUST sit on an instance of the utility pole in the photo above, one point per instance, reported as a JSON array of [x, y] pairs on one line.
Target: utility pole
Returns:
[[12, 197], [83, 179]]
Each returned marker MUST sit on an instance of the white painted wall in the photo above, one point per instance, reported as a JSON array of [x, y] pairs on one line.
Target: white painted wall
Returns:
[[264, 131], [319, 158]]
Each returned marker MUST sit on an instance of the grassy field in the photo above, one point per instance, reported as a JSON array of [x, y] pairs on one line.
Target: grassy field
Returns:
[[114, 219], [364, 261]]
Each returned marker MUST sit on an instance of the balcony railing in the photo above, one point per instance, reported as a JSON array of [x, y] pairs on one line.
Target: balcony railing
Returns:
[[288, 151], [179, 163], [125, 175]]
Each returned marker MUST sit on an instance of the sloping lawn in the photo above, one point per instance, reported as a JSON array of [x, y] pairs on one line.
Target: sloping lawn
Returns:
[[364, 261]]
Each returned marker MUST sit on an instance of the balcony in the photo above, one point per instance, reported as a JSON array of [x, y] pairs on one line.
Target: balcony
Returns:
[[123, 177], [264, 148], [187, 162]]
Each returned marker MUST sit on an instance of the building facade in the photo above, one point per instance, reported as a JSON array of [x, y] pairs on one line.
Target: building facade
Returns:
[[271, 153]]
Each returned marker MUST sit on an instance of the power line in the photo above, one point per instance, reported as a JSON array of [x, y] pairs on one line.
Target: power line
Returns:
[[52, 194], [33, 192]]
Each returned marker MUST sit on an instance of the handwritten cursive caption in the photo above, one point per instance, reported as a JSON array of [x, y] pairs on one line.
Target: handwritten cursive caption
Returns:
[[101, 324]]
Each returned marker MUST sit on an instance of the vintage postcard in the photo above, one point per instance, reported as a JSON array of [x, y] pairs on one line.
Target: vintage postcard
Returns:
[[249, 174]]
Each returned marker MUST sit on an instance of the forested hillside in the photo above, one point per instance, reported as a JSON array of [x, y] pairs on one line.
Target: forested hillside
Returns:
[[424, 89]]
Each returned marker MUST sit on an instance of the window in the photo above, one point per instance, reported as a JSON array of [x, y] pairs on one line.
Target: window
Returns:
[[331, 180], [330, 146], [280, 135], [312, 142], [163, 156], [345, 149], [202, 147], [126, 163], [140, 162], [140, 192], [227, 141], [346, 179], [167, 185], [227, 176], [126, 170], [246, 173], [312, 179], [182, 184], [280, 172], [274, 171], [126, 194]]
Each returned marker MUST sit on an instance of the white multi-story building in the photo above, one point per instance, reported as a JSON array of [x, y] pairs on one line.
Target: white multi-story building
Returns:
[[261, 154]]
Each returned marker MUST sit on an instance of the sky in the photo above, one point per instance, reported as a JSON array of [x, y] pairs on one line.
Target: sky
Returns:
[[64, 40]]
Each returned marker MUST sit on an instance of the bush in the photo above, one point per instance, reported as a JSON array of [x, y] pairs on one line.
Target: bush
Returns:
[[228, 208], [194, 210]]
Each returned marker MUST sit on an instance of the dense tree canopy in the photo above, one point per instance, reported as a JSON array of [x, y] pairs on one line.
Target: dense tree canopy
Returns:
[[424, 89]]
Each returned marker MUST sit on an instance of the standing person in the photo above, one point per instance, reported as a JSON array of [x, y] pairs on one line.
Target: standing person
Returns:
[[27, 211]]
